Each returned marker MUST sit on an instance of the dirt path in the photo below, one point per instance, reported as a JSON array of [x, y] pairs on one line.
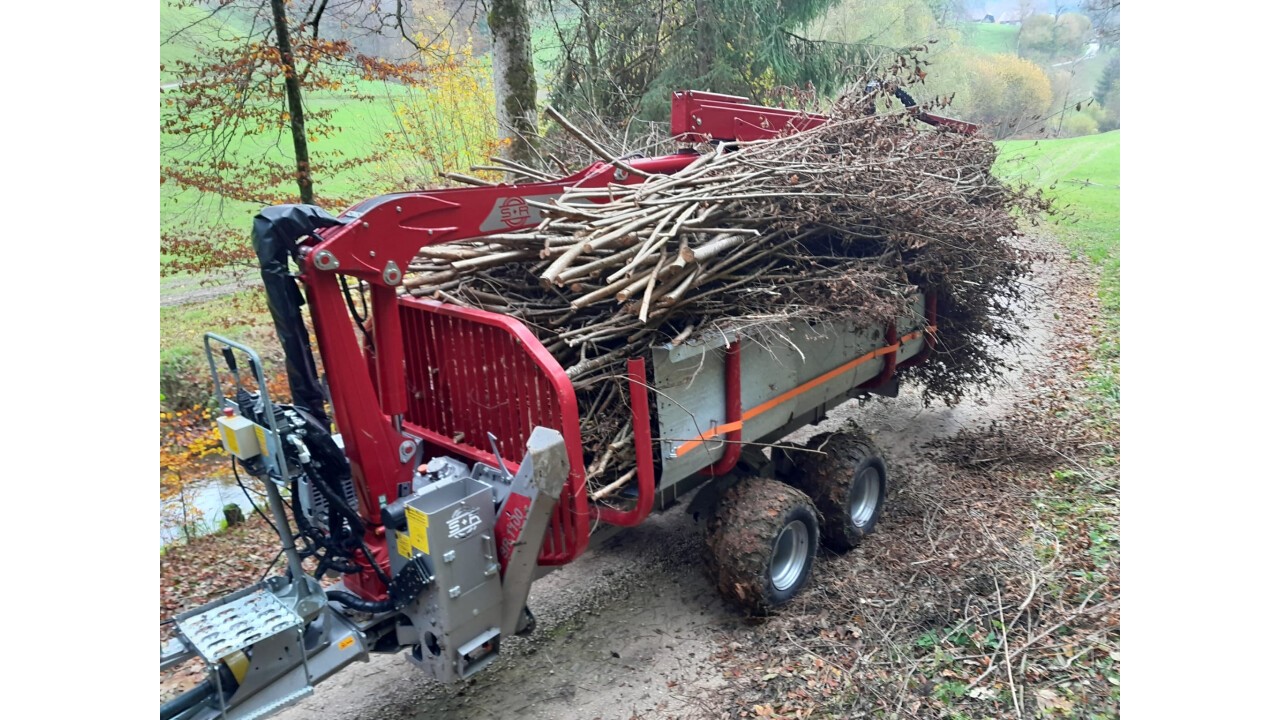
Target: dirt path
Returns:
[[633, 628], [184, 290]]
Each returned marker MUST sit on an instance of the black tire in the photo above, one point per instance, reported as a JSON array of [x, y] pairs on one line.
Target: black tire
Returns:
[[843, 482], [528, 623], [762, 539]]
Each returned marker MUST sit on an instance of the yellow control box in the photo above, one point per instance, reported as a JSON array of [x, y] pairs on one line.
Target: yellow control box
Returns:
[[239, 436]]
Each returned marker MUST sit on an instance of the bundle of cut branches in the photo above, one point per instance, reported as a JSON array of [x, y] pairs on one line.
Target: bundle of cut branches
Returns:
[[845, 221]]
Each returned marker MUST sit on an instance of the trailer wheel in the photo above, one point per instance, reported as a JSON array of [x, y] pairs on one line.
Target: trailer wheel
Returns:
[[762, 540], [848, 484], [528, 623]]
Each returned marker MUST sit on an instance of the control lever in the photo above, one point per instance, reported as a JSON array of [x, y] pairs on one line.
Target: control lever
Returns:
[[502, 464], [230, 356]]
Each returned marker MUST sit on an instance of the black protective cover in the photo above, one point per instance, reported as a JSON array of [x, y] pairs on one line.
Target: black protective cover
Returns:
[[276, 231]]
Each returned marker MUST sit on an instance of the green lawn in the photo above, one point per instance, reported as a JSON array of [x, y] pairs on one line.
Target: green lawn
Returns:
[[990, 37], [1083, 176], [173, 19]]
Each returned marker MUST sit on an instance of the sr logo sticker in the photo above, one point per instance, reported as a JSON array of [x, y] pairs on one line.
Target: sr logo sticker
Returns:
[[510, 213], [514, 212], [463, 522]]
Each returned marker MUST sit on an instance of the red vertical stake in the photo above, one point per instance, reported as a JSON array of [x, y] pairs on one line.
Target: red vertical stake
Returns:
[[644, 452], [732, 412]]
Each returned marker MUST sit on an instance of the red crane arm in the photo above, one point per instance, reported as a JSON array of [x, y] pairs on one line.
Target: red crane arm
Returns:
[[703, 116]]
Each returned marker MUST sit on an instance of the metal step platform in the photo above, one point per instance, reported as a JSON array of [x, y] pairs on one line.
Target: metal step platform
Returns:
[[236, 622]]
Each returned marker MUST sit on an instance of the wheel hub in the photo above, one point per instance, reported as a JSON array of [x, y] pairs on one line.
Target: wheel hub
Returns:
[[866, 497], [790, 551]]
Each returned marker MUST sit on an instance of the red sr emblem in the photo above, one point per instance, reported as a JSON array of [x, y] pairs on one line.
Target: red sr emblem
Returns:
[[514, 212]]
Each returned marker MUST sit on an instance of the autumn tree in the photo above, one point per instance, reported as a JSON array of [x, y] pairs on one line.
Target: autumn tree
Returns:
[[188, 443], [249, 88], [293, 95], [1007, 93], [445, 125]]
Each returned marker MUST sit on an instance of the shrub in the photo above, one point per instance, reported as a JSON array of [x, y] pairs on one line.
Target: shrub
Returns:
[[1006, 92], [1048, 38], [1078, 123], [183, 383]]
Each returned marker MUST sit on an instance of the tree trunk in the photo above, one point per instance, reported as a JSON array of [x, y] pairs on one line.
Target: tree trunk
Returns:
[[593, 54], [293, 93], [514, 85]]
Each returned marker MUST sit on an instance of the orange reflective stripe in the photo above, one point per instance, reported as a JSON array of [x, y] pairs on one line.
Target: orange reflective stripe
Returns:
[[713, 432], [796, 392], [771, 404]]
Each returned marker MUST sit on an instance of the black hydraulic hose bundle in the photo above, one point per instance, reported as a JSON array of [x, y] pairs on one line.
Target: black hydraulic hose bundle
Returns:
[[333, 557], [327, 470], [275, 234], [408, 583], [359, 604]]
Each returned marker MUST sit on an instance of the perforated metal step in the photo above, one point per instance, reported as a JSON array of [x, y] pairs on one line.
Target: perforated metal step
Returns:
[[236, 622]]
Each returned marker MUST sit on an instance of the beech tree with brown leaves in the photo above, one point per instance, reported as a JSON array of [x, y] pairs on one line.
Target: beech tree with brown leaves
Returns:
[[237, 125], [226, 120]]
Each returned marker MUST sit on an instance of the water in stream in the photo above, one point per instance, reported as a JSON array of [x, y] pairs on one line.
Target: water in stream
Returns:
[[209, 497]]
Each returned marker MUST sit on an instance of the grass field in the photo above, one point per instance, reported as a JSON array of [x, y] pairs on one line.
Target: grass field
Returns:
[[990, 37], [361, 125], [188, 19], [1083, 175]]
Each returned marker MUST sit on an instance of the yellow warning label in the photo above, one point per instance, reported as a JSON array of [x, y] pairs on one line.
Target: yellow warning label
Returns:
[[418, 522], [346, 642], [262, 438], [229, 439], [402, 545]]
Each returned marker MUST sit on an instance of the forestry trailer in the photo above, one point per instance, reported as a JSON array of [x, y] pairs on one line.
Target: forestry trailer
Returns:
[[456, 475]]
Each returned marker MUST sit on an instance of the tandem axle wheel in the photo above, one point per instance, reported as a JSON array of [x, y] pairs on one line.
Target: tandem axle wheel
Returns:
[[848, 481], [762, 539]]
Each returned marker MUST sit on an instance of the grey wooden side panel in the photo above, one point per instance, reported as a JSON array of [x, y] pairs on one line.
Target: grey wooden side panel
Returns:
[[690, 382]]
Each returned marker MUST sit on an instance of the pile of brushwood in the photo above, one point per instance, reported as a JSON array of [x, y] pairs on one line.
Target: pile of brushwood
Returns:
[[842, 222]]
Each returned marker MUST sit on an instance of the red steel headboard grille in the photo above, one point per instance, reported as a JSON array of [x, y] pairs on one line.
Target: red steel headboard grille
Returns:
[[469, 373]]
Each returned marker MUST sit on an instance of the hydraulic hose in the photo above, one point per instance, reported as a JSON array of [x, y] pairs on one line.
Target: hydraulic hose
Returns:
[[187, 700], [360, 604]]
